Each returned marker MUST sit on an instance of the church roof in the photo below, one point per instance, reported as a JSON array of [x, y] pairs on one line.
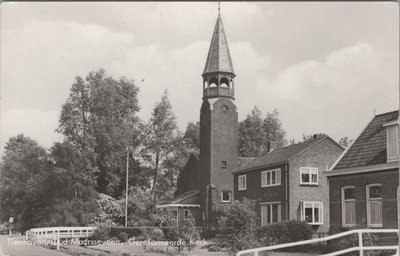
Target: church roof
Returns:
[[218, 58]]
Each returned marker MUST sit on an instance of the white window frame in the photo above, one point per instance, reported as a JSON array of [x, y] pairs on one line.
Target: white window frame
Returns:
[[313, 204], [279, 217], [369, 205], [242, 182], [264, 176], [222, 197], [344, 224], [396, 157], [308, 171]]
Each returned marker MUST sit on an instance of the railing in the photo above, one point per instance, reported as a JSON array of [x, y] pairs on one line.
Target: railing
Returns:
[[57, 233], [361, 248], [61, 232]]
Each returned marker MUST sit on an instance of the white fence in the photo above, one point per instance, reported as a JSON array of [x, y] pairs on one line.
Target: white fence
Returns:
[[61, 232], [361, 248]]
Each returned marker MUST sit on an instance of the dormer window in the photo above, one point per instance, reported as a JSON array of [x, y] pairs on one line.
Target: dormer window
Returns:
[[392, 141]]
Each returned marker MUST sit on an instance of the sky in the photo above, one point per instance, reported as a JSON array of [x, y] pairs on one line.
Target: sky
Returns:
[[327, 67]]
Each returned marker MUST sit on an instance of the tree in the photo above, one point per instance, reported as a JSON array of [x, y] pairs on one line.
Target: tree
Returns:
[[256, 131], [161, 141], [192, 137], [237, 224], [24, 166], [345, 142], [99, 119]]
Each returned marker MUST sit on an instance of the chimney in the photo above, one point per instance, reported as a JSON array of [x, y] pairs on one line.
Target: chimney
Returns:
[[271, 145], [317, 136]]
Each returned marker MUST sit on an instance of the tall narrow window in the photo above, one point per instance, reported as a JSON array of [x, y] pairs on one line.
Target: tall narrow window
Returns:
[[270, 213], [374, 205], [186, 213], [308, 176], [348, 206], [392, 148], [242, 182], [271, 178]]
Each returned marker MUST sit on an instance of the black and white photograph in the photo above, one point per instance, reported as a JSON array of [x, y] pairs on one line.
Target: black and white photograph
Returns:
[[199, 128]]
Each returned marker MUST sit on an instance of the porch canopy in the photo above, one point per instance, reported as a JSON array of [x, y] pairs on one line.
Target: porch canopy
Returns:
[[186, 199]]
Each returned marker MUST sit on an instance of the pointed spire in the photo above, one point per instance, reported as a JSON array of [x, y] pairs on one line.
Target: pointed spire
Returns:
[[219, 59]]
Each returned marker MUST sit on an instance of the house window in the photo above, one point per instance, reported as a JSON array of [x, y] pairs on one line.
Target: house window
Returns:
[[311, 212], [392, 147], [270, 213], [175, 217], [226, 196], [348, 206], [224, 164], [271, 178], [374, 205], [308, 176], [242, 182], [186, 213]]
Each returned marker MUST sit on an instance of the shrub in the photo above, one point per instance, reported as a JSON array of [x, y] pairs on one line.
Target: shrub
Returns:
[[101, 233], [157, 234], [130, 231], [214, 248], [237, 225], [123, 237], [284, 232]]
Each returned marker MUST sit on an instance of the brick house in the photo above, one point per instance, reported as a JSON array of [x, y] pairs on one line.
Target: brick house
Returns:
[[364, 181], [288, 182]]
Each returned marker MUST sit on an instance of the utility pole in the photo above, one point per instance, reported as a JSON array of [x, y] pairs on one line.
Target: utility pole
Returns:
[[126, 188]]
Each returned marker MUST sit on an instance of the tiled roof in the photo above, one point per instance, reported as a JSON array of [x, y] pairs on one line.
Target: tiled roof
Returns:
[[218, 58], [243, 160], [279, 155], [182, 197], [370, 147]]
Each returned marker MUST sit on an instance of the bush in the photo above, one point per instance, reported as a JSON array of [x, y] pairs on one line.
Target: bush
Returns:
[[123, 237], [284, 232], [214, 248], [157, 234], [130, 231], [237, 225], [101, 233]]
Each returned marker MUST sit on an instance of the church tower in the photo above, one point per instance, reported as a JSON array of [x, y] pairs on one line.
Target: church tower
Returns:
[[218, 128]]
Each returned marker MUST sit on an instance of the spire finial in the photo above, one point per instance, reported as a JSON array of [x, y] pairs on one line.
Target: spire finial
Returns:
[[219, 6]]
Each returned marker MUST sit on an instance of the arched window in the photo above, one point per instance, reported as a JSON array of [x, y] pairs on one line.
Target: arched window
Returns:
[[213, 82], [224, 82]]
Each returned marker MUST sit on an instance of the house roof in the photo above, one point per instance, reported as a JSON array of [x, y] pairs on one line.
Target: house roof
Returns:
[[218, 58], [181, 198], [280, 155], [370, 147], [243, 160]]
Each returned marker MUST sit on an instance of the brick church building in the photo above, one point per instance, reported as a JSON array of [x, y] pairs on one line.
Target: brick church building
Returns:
[[206, 182], [287, 183]]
